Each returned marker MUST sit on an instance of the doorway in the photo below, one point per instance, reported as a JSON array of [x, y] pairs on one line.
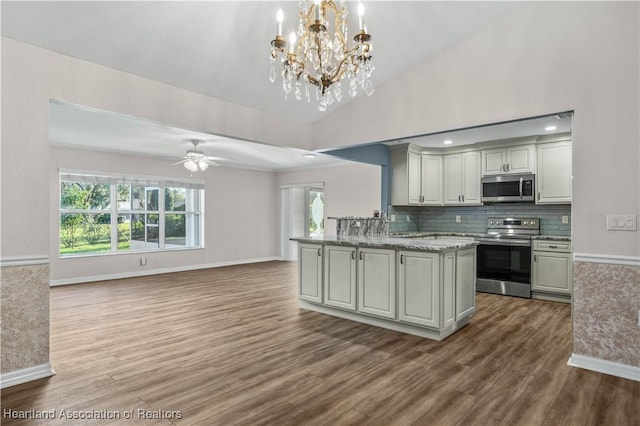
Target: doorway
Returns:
[[302, 215]]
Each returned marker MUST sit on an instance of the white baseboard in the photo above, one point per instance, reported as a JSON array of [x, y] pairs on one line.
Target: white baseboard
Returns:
[[606, 258], [607, 367], [132, 274], [26, 375]]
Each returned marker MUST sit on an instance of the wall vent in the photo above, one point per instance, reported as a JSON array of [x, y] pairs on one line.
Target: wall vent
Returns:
[[564, 115]]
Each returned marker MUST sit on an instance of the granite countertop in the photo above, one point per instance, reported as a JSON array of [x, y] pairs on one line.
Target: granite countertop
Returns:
[[551, 237], [424, 234], [388, 242]]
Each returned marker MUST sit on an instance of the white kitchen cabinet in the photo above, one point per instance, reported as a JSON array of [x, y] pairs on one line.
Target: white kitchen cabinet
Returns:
[[419, 288], [465, 280], [377, 282], [416, 178], [340, 277], [431, 180], [462, 179], [553, 177], [310, 272], [519, 159], [551, 269]]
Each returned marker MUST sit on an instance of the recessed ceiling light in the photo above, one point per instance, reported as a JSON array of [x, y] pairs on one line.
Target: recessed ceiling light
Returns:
[[309, 155], [550, 128], [448, 142]]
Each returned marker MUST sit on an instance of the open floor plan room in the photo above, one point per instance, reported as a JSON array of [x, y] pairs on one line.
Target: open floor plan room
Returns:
[[231, 346]]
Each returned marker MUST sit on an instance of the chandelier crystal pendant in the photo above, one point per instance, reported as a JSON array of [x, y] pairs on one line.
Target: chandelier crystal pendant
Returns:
[[321, 57]]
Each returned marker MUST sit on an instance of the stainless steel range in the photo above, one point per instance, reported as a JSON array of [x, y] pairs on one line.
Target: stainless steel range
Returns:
[[504, 256]]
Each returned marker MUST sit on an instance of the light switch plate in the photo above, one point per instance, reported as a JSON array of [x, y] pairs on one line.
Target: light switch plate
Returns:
[[622, 222]]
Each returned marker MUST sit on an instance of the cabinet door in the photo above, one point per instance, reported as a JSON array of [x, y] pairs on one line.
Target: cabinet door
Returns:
[[377, 282], [453, 179], [551, 272], [471, 179], [521, 159], [310, 272], [431, 179], [340, 277], [465, 283], [419, 288], [414, 179], [494, 161], [553, 179]]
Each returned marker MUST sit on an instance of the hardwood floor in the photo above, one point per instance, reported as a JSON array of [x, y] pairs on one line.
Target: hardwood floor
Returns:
[[230, 346]]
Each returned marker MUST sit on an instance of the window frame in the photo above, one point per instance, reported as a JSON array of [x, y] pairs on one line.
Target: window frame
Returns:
[[115, 211]]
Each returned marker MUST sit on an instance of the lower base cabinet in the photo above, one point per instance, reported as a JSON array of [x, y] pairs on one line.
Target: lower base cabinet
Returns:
[[430, 294], [377, 282], [310, 272], [419, 288], [428, 300], [551, 269], [340, 277]]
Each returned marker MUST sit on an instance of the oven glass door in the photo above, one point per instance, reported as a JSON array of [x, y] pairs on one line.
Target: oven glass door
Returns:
[[504, 263]]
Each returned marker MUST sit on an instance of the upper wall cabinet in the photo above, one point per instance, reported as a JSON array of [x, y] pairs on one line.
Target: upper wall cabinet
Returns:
[[512, 160], [416, 179], [462, 179], [553, 177]]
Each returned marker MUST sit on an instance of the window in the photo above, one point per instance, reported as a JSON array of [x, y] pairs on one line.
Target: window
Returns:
[[112, 214]]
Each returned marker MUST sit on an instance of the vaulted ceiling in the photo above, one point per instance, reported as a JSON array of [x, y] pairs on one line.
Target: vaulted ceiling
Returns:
[[221, 49]]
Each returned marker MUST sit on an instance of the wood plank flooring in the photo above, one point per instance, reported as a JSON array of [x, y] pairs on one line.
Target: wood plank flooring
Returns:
[[230, 346]]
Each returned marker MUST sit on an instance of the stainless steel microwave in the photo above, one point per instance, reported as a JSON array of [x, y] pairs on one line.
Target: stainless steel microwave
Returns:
[[508, 188]]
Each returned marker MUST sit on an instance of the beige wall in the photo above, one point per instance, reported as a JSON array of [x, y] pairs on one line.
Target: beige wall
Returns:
[[349, 190]]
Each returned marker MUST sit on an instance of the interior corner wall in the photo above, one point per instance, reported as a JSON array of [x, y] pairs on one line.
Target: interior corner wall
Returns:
[[350, 189], [543, 58], [239, 207], [31, 77]]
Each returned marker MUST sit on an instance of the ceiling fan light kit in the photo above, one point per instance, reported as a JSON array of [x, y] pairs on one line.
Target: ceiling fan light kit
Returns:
[[321, 56], [196, 161]]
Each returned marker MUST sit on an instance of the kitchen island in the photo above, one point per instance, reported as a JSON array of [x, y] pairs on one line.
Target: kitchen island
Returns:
[[424, 287]]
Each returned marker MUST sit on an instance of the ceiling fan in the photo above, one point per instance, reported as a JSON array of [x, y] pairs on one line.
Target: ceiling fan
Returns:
[[195, 160]]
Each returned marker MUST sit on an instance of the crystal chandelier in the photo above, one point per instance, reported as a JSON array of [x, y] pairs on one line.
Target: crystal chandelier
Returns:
[[321, 58]]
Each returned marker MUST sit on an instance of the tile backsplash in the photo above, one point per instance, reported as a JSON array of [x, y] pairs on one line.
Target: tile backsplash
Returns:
[[474, 218]]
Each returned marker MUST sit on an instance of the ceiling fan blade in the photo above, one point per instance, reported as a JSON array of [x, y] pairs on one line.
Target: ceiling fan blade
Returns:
[[210, 162], [214, 158], [180, 162]]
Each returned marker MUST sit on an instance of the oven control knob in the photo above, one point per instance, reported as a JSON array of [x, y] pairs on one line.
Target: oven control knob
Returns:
[[526, 222]]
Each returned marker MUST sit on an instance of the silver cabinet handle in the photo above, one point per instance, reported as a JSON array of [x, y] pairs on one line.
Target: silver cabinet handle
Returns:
[[320, 251], [508, 167], [401, 258], [538, 195], [360, 255], [353, 255], [553, 246], [463, 198], [504, 168], [521, 179], [459, 198], [535, 257]]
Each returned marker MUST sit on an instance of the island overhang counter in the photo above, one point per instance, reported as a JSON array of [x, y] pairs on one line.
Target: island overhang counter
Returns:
[[424, 287]]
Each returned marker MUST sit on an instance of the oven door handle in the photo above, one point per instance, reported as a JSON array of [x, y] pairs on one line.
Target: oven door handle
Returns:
[[510, 242]]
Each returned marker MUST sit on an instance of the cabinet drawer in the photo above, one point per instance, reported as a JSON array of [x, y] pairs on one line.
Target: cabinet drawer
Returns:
[[556, 246]]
